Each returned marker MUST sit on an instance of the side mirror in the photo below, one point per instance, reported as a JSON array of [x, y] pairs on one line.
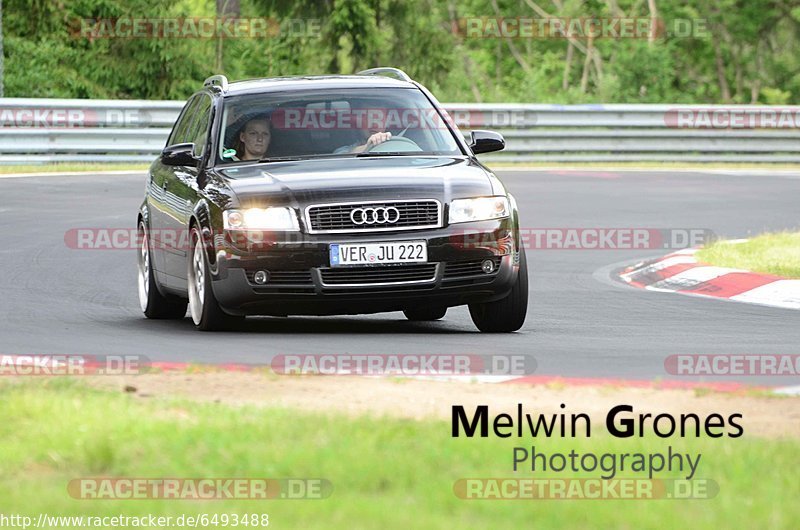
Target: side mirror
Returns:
[[486, 142], [179, 155]]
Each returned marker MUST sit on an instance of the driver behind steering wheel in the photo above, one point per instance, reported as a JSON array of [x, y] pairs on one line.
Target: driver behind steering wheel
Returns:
[[370, 137]]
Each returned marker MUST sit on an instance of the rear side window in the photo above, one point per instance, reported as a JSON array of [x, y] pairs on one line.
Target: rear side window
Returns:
[[199, 130], [181, 133]]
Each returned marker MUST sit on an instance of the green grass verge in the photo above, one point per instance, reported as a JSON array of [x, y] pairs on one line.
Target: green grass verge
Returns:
[[777, 254], [71, 168], [386, 473]]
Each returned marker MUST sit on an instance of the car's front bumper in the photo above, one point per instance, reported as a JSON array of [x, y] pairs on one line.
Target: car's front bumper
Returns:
[[302, 281]]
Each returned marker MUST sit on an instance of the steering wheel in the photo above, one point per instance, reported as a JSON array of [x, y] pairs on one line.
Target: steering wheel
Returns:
[[395, 144]]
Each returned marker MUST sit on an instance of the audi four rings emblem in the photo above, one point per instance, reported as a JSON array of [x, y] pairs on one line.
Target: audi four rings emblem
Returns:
[[373, 216]]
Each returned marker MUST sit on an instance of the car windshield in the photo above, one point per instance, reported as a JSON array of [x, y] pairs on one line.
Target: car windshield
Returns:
[[332, 123]]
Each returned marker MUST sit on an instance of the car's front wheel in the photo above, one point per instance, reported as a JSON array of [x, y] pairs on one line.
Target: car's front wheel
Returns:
[[206, 313], [507, 314], [151, 301]]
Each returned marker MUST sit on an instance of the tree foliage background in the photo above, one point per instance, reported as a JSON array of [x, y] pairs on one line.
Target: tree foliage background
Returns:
[[747, 53]]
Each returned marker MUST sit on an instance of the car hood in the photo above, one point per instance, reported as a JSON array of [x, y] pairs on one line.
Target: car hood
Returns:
[[300, 183]]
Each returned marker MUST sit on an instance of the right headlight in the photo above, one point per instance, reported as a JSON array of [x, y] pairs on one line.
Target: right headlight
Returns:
[[479, 209], [274, 218]]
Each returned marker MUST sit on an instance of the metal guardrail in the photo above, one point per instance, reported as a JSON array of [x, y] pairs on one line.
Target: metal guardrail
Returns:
[[68, 130]]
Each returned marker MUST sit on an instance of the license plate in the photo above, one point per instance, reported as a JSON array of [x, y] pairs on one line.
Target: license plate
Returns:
[[343, 254]]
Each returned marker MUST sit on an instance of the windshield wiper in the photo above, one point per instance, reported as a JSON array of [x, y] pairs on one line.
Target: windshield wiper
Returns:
[[304, 157], [390, 153], [280, 159]]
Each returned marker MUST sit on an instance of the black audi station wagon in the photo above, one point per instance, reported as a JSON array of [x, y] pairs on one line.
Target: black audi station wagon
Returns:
[[327, 195]]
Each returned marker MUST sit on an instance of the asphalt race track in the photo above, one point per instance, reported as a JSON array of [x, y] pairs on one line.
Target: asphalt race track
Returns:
[[58, 300]]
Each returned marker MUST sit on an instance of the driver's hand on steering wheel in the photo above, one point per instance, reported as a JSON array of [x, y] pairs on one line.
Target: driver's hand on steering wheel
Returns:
[[378, 138], [372, 141]]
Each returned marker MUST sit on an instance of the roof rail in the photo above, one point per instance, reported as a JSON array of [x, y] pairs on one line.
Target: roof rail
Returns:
[[217, 81], [387, 71]]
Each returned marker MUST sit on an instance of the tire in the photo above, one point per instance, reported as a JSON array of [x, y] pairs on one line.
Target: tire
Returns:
[[204, 309], [425, 313], [152, 303], [507, 314]]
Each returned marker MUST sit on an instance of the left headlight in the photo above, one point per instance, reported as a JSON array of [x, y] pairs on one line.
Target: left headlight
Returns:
[[478, 209], [274, 218]]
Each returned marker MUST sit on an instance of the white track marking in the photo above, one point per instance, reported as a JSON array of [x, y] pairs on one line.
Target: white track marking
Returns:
[[690, 278], [657, 266], [781, 293]]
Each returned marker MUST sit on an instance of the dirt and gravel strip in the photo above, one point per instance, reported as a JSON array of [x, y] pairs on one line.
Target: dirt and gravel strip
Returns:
[[763, 416]]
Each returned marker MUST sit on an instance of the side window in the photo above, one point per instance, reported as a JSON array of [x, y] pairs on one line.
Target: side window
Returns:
[[180, 133], [200, 126]]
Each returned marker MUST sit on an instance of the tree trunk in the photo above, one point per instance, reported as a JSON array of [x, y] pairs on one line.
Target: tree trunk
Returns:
[[544, 14], [717, 33], [375, 55], [755, 88], [567, 66], [651, 37], [587, 62], [738, 52], [724, 88], [510, 43], [476, 93], [598, 64], [498, 63], [225, 8], [2, 79]]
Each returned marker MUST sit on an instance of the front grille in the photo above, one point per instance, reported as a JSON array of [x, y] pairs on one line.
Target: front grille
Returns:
[[425, 272], [301, 277], [336, 217], [462, 269]]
